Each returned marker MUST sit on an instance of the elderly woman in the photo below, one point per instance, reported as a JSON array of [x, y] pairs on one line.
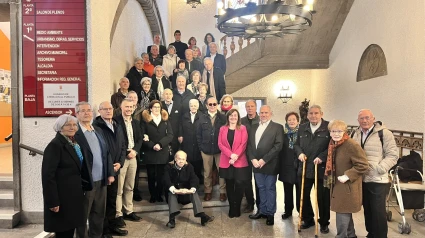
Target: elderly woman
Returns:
[[187, 137], [203, 97], [156, 126], [61, 180], [226, 103], [197, 55], [135, 74], [147, 95], [192, 43], [287, 169], [160, 81], [195, 77], [205, 48], [234, 167], [345, 165], [147, 65], [170, 60]]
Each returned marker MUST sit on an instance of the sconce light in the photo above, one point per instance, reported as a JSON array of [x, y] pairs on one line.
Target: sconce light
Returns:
[[285, 94]]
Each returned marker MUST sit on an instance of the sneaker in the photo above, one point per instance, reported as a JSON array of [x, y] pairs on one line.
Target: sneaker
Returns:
[[132, 217]]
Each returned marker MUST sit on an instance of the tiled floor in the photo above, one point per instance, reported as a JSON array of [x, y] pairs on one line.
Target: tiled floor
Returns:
[[6, 159]]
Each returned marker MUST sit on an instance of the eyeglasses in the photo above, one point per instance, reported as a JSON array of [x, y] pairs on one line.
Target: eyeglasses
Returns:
[[336, 132], [212, 104], [156, 107], [70, 125], [86, 111], [107, 109]]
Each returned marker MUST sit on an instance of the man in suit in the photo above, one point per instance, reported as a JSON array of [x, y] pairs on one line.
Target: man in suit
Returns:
[[99, 165], [214, 78], [191, 63], [174, 114], [157, 41], [218, 59], [251, 118], [115, 140], [133, 142], [264, 145], [182, 95]]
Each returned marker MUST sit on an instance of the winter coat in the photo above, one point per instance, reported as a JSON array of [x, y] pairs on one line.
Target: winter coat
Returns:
[[183, 178], [288, 163], [245, 122], [238, 147], [188, 132], [134, 77], [169, 63], [381, 158], [183, 99], [117, 98], [161, 134], [313, 146], [165, 83], [207, 134], [350, 160], [151, 95]]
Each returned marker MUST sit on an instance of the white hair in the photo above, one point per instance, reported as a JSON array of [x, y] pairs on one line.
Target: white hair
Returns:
[[62, 120], [194, 101]]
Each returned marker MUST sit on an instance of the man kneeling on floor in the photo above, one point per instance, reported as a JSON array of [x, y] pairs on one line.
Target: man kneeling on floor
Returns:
[[182, 182]]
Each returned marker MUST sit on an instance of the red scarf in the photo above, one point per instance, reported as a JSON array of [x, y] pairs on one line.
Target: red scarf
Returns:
[[329, 178], [226, 109]]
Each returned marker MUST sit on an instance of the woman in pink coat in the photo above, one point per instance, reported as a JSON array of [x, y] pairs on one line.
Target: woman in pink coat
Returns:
[[232, 141]]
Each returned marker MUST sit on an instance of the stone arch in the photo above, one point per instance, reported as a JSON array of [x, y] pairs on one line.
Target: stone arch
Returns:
[[372, 64]]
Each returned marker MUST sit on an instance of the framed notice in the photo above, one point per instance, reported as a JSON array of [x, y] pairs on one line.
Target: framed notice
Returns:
[[54, 60]]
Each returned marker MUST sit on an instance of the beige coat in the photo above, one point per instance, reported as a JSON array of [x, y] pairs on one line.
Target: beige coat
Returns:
[[350, 160]]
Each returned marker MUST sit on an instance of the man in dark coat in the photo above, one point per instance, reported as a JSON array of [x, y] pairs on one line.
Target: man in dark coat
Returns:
[[250, 119], [117, 97], [191, 64], [311, 148], [100, 169], [174, 115], [157, 41], [180, 46], [114, 137], [135, 75], [215, 81], [264, 144], [218, 59], [154, 57], [182, 95], [181, 183]]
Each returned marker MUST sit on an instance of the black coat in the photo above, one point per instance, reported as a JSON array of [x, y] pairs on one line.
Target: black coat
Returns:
[[219, 62], [161, 134], [312, 145], [174, 118], [203, 105], [162, 50], [86, 172], [134, 77], [183, 99], [61, 181], [188, 132], [268, 148], [165, 83], [245, 122], [180, 49], [115, 140], [194, 65], [152, 95], [157, 61], [288, 163], [137, 133], [184, 178], [219, 83], [207, 134]]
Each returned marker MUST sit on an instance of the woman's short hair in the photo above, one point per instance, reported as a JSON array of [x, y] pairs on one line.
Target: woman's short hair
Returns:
[[194, 101], [62, 120], [153, 102], [144, 79], [194, 48], [205, 38], [171, 47], [224, 97], [292, 114], [143, 54], [193, 73], [181, 61], [191, 38], [230, 112], [337, 124], [203, 85]]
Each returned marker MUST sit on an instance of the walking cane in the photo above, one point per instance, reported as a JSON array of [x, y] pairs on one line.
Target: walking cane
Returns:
[[317, 204], [302, 195]]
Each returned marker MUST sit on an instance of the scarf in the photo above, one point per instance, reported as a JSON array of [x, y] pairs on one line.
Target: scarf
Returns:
[[226, 109], [291, 134], [144, 102], [329, 178], [195, 89], [209, 81], [73, 143]]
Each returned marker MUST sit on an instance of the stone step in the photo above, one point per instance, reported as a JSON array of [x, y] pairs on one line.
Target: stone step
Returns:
[[8, 218], [6, 198], [6, 182]]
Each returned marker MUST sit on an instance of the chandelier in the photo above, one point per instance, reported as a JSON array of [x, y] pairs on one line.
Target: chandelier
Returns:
[[193, 3], [272, 19]]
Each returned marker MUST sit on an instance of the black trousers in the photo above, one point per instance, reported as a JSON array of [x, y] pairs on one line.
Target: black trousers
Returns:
[[288, 189], [198, 165], [136, 182], [235, 190], [323, 197], [374, 197], [111, 206], [249, 193], [155, 174], [65, 234]]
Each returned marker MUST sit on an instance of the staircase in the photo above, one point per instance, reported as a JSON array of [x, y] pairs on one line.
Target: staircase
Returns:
[[8, 216]]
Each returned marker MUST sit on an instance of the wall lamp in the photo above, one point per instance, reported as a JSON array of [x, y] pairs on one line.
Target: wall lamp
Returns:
[[285, 94]]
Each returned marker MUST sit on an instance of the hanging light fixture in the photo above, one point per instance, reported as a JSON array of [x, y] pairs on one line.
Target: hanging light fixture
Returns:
[[274, 19], [193, 3]]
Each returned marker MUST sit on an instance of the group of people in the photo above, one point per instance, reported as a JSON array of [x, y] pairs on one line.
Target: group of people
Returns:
[[90, 170]]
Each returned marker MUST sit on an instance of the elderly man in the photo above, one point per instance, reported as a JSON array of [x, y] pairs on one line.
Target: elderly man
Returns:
[[96, 152], [382, 154], [135, 75], [207, 138], [182, 95], [174, 111], [114, 138], [311, 148], [154, 57], [250, 119], [157, 41], [117, 97], [182, 184], [191, 63], [180, 46], [265, 141], [218, 59], [214, 78]]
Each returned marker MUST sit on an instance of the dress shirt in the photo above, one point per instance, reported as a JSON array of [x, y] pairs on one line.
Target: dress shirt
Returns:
[[192, 117], [109, 124], [261, 128], [129, 129], [169, 107], [366, 133]]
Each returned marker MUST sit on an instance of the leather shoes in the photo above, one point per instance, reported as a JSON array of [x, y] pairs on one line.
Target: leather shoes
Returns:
[[159, 199], [152, 199], [118, 232], [205, 219], [249, 208], [223, 197], [257, 215], [207, 196], [307, 225], [119, 222], [137, 197], [106, 236], [132, 217], [171, 223], [324, 229], [286, 216], [270, 220]]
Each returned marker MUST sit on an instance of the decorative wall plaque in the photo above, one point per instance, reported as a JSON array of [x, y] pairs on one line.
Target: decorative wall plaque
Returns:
[[373, 63]]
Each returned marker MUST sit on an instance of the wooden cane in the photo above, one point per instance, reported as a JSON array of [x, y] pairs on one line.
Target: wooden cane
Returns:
[[302, 195], [317, 204]]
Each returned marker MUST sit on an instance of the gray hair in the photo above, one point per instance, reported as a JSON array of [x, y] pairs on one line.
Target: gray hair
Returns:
[[156, 67], [62, 120], [188, 50], [155, 46], [181, 76], [194, 101], [124, 78], [126, 100], [203, 85], [144, 79], [102, 104], [143, 54], [139, 59], [212, 43], [226, 96], [131, 92], [315, 106], [168, 90], [251, 100], [171, 47], [207, 58], [77, 106]]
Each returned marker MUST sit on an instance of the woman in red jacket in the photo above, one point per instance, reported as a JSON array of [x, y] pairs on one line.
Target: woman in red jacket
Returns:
[[232, 141]]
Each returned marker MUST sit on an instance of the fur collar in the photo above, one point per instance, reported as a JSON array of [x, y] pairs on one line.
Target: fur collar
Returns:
[[148, 118]]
